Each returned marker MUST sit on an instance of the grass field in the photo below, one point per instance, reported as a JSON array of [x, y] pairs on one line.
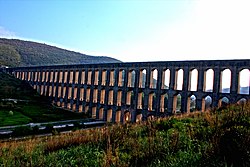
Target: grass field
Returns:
[[13, 118], [32, 107], [215, 138], [35, 113]]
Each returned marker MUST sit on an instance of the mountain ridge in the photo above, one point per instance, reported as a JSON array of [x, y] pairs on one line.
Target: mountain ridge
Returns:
[[16, 53]]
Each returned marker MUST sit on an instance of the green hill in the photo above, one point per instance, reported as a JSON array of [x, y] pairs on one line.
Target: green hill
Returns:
[[15, 52], [26, 105]]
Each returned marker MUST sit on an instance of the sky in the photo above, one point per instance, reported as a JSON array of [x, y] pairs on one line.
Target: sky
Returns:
[[134, 30]]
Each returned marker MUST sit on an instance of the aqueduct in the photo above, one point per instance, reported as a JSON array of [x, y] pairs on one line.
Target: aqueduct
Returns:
[[119, 92]]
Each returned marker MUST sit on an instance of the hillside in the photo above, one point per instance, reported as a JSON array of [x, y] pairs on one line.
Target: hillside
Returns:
[[21, 104], [14, 52]]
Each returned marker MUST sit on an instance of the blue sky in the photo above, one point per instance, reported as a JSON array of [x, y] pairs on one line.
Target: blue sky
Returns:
[[134, 30]]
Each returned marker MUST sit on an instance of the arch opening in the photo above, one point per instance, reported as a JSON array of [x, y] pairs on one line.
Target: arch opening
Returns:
[[191, 103], [242, 101], [179, 79], [104, 77], [89, 77], [102, 98], [118, 116], [96, 79], [109, 115], [101, 113], [208, 80], [165, 79], [208, 102], [129, 99], [127, 117], [131, 78], [138, 117], [95, 95], [119, 98], [121, 77], [76, 77], [142, 78], [244, 82], [177, 104], [223, 102], [164, 103], [140, 100], [151, 101], [193, 80], [112, 78], [225, 81], [93, 114], [111, 97], [153, 78]]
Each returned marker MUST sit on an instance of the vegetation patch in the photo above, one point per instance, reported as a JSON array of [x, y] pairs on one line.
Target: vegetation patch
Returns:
[[214, 138], [13, 118]]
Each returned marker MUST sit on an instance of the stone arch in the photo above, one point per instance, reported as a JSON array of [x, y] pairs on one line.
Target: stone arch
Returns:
[[140, 98], [101, 113], [127, 116], [83, 77], [193, 80], [142, 78], [151, 101], [131, 78], [139, 117], [104, 77], [76, 76], [80, 108], [207, 103], [208, 80], [177, 103], [55, 76], [111, 97], [164, 102], [112, 77], [102, 97], [74, 89], [89, 80], [93, 112], [70, 92], [165, 79], [129, 98], [65, 76], [224, 101], [96, 79], [225, 81], [87, 95], [242, 101], [179, 79], [68, 106], [121, 78], [95, 95], [153, 78], [119, 98], [244, 81], [118, 116], [64, 92], [81, 94], [71, 75], [86, 109], [59, 92], [109, 115], [73, 107], [191, 104]]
